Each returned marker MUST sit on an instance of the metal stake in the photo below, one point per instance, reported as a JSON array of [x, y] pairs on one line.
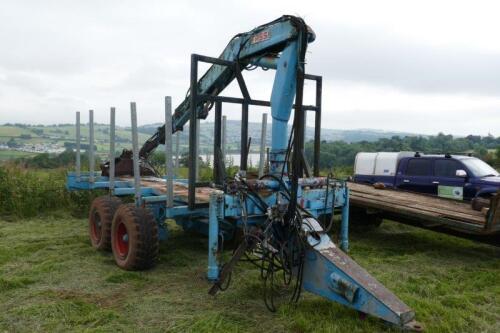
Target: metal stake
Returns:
[[317, 127], [244, 137], [177, 157], [268, 167], [192, 133], [91, 146], [168, 152], [224, 134], [262, 144], [78, 160], [217, 144], [197, 149], [112, 150], [135, 153]]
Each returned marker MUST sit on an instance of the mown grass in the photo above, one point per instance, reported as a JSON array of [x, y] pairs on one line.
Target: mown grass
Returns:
[[51, 280]]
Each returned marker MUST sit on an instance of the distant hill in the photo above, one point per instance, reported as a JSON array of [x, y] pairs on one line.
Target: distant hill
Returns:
[[55, 138], [234, 128]]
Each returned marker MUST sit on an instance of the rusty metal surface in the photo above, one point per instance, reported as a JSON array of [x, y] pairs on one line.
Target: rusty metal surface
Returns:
[[360, 275]]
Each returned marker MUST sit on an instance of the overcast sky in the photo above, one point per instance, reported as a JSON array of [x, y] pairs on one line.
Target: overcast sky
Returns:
[[421, 67]]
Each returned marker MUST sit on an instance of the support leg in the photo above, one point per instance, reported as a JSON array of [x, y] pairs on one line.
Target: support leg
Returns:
[[330, 273], [344, 226], [215, 208]]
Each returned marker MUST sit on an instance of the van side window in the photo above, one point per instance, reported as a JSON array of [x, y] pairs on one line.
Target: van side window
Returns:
[[446, 168], [418, 167]]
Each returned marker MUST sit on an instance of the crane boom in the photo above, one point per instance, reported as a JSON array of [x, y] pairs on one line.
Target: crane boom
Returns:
[[261, 46]]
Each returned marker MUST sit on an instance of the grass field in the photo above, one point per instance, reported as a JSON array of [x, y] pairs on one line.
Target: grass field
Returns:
[[6, 155], [66, 133], [51, 280]]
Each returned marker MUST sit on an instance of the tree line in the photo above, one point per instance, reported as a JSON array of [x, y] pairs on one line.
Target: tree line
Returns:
[[334, 154], [341, 154]]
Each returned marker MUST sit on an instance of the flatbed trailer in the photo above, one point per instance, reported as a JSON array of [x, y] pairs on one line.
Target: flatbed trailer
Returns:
[[430, 212]]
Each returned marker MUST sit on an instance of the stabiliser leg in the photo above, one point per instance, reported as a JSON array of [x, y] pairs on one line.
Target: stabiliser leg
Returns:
[[215, 215], [332, 274]]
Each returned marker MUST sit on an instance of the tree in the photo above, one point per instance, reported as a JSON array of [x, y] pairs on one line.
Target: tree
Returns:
[[12, 143], [497, 155]]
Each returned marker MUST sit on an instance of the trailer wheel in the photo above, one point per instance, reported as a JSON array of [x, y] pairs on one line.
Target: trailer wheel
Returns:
[[134, 238], [360, 220], [101, 215]]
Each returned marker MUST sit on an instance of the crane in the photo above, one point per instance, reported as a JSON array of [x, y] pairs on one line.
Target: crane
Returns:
[[281, 222], [280, 44]]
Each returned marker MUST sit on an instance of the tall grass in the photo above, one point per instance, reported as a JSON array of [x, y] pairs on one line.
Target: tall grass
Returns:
[[32, 192]]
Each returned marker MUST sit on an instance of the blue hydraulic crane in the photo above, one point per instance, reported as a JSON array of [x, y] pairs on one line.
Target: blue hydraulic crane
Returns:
[[281, 221]]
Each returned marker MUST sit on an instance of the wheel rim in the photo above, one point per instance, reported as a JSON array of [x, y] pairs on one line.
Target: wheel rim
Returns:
[[96, 227], [121, 240]]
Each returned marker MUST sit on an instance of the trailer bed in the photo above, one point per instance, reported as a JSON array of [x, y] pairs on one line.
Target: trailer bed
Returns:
[[426, 211], [180, 188]]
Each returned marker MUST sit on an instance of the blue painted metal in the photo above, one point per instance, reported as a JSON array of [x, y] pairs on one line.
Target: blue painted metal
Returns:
[[344, 226], [245, 49], [282, 98], [332, 274], [328, 271], [214, 216]]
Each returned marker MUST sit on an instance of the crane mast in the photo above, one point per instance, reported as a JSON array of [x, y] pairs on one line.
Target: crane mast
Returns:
[[279, 45]]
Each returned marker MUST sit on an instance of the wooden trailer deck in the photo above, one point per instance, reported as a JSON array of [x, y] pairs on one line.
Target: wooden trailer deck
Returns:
[[180, 189], [427, 211]]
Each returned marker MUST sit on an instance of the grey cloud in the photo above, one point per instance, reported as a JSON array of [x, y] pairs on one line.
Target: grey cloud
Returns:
[[379, 57], [25, 81]]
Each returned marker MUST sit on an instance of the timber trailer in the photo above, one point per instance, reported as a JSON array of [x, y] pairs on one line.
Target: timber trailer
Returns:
[[279, 221]]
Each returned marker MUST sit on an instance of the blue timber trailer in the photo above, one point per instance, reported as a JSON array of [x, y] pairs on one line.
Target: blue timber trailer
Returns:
[[280, 221]]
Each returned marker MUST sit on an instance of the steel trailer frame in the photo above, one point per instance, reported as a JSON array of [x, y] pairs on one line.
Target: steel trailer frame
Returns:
[[187, 214], [329, 272]]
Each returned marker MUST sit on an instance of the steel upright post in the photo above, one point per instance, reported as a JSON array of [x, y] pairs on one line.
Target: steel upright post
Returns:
[[192, 133], [224, 138], [78, 159], [91, 146], [168, 152], [268, 162], [177, 157], [135, 154], [112, 150], [217, 144], [317, 127], [244, 137], [197, 160], [262, 149]]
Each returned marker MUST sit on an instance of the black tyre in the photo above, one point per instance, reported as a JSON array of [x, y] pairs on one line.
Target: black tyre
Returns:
[[359, 219], [101, 215], [134, 238], [478, 203]]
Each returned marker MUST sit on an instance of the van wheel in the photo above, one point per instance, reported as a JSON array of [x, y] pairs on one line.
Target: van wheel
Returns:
[[478, 203], [134, 238], [101, 215]]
